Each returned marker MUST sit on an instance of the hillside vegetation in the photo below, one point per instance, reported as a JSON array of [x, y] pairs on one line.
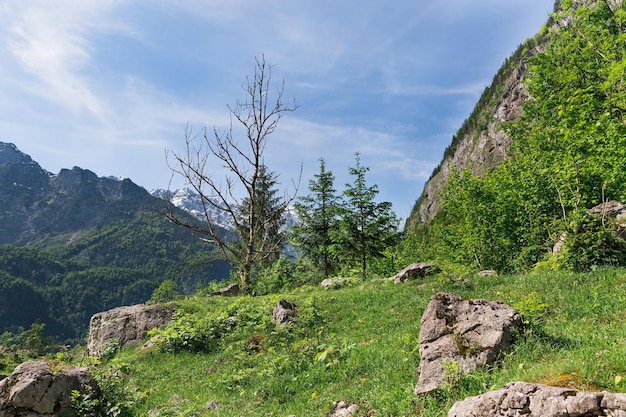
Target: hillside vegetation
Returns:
[[74, 244], [120, 263], [568, 155], [360, 344]]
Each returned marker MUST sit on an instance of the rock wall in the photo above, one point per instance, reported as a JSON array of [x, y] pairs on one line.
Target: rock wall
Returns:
[[479, 150]]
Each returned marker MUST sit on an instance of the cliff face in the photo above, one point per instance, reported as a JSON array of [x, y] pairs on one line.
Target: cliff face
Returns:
[[480, 150], [481, 144]]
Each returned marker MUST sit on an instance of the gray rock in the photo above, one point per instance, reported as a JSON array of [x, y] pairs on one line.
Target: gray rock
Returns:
[[212, 405], [522, 399], [610, 209], [284, 312], [231, 290], [125, 326], [343, 409], [33, 390], [488, 273], [413, 271], [467, 333], [332, 283]]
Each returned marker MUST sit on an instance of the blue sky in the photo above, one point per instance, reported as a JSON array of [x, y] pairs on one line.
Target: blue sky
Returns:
[[109, 85]]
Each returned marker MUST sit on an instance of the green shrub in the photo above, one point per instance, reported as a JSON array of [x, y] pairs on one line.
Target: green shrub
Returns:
[[167, 291], [591, 242], [115, 398], [190, 333], [278, 277]]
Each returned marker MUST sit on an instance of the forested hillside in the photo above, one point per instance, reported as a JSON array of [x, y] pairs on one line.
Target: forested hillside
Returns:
[[567, 154], [76, 244]]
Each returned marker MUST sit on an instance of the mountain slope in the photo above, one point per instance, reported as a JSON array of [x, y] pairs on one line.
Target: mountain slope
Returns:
[[76, 244], [567, 155], [481, 143]]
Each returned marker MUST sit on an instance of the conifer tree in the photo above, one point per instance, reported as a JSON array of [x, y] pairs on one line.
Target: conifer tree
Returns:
[[367, 227], [318, 213], [267, 221]]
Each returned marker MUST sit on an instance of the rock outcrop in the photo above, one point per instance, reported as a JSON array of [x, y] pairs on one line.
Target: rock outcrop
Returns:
[[481, 144], [414, 271], [612, 210], [480, 151], [34, 390], [125, 326], [522, 399], [467, 333]]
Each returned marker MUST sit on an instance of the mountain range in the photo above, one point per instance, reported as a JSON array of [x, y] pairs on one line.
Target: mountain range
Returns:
[[74, 244]]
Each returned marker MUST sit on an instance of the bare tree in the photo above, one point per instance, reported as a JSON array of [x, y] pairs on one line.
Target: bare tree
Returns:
[[236, 194]]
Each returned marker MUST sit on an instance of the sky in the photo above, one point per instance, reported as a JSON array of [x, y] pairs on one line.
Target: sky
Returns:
[[109, 85]]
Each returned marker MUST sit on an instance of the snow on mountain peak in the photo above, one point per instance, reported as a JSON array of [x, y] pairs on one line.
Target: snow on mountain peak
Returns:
[[188, 200]]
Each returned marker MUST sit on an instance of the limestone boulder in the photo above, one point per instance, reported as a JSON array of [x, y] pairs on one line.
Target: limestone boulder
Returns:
[[284, 312], [522, 399], [125, 326], [34, 390], [612, 210], [464, 335], [414, 271], [332, 283]]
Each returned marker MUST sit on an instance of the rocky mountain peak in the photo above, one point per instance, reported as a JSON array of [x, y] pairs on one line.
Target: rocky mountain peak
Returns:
[[9, 154]]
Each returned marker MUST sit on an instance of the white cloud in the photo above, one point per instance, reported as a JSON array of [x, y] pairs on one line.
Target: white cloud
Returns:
[[51, 42]]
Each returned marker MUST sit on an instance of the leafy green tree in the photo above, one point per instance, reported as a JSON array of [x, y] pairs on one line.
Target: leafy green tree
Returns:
[[318, 222], [36, 340], [573, 131], [165, 292], [366, 227]]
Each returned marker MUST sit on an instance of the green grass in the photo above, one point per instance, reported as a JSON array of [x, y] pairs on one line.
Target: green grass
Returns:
[[360, 344]]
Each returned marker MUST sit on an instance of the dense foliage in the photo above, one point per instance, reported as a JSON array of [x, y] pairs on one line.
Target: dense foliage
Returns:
[[120, 263], [568, 155]]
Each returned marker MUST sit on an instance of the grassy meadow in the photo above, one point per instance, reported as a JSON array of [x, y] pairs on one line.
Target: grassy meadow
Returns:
[[359, 344]]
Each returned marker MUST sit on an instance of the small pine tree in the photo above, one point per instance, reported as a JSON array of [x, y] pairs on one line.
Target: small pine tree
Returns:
[[367, 227], [269, 239], [318, 222]]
